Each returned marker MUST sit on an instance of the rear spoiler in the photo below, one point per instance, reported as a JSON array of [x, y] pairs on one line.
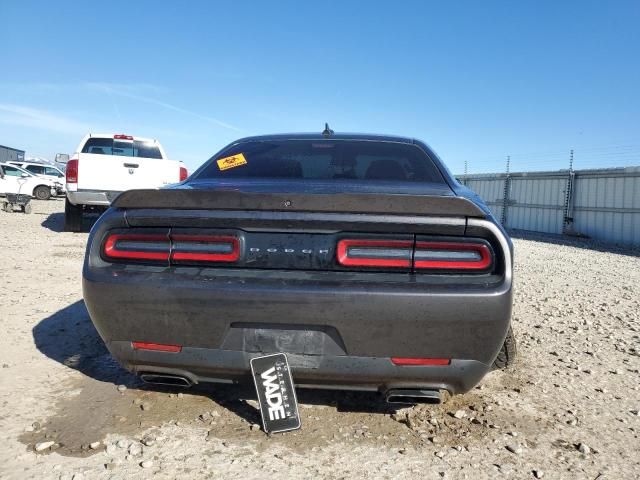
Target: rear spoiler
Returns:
[[392, 204]]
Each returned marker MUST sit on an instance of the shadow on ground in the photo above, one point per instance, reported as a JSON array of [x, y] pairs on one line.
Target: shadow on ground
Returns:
[[55, 222], [69, 338]]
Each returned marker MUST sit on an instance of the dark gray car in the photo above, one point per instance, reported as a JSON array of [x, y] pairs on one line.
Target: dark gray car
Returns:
[[359, 256]]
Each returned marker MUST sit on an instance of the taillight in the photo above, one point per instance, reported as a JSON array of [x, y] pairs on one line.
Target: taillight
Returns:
[[183, 174], [451, 256], [411, 361], [375, 253], [123, 137], [177, 248], [205, 248], [72, 171], [137, 247], [422, 255]]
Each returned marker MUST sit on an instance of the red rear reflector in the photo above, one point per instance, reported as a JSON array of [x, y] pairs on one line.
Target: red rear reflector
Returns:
[[72, 171], [123, 137], [205, 248], [452, 256], [402, 362], [183, 174], [137, 246], [374, 253], [160, 347]]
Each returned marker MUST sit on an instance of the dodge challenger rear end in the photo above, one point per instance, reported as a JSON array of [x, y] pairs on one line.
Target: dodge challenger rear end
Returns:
[[358, 256]]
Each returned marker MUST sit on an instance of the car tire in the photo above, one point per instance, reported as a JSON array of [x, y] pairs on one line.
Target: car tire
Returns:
[[42, 192], [72, 217], [507, 354]]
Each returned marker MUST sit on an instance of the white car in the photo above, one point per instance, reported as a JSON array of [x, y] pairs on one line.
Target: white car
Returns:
[[105, 165], [14, 179], [43, 170]]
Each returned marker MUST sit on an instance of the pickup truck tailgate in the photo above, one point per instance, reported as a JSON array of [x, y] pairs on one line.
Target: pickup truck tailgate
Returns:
[[119, 173]]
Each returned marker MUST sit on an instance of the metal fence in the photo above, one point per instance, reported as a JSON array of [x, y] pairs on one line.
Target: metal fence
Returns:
[[603, 204]]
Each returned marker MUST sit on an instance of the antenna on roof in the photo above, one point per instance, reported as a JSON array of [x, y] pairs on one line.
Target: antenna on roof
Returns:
[[327, 131]]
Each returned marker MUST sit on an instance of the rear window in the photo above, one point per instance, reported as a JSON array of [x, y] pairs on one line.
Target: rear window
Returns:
[[369, 161], [35, 169], [123, 148]]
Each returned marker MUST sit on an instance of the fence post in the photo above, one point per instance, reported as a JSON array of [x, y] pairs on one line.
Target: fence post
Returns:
[[464, 181], [505, 194], [567, 221]]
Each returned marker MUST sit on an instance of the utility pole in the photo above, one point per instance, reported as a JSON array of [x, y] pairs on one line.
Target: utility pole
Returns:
[[567, 224]]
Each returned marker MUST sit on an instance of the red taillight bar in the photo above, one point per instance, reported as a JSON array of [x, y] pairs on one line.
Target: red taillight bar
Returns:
[[184, 173], [111, 249], [123, 137], [159, 347], [179, 248], [382, 253], [202, 242], [409, 361], [481, 262]]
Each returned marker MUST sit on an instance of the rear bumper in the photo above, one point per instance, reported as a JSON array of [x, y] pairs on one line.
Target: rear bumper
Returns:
[[338, 372], [91, 197]]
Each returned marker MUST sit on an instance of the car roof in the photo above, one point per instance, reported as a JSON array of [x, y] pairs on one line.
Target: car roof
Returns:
[[33, 163], [7, 164], [334, 136]]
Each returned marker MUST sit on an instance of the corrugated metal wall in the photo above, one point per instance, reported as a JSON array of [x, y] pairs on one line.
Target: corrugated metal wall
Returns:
[[491, 190], [607, 205], [603, 204], [536, 203], [8, 154]]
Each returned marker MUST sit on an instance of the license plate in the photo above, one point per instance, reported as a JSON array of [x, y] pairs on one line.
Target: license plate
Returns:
[[276, 393]]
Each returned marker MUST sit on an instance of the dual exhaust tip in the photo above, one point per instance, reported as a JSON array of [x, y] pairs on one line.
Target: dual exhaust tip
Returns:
[[393, 397]]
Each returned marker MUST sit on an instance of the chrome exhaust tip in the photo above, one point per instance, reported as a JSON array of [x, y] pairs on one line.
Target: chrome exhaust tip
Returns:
[[412, 397], [164, 379]]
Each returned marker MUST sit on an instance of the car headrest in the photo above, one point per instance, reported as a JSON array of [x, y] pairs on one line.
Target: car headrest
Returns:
[[385, 170]]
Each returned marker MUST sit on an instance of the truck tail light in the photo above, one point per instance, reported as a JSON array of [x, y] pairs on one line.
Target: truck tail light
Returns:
[[137, 247], [205, 248], [123, 137], [408, 362], [72, 171], [375, 253], [183, 174], [451, 256]]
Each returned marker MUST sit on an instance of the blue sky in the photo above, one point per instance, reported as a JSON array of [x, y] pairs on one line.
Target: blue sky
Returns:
[[475, 80]]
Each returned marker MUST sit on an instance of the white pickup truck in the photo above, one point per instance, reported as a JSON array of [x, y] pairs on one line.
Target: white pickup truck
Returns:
[[105, 165]]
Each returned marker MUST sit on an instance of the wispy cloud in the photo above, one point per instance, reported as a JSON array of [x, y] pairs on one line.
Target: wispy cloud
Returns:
[[130, 91], [19, 115]]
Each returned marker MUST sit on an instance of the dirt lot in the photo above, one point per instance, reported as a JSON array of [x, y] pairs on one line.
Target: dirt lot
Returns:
[[568, 410]]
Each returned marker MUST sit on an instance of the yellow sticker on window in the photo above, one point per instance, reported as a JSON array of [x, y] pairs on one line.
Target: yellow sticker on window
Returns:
[[231, 162]]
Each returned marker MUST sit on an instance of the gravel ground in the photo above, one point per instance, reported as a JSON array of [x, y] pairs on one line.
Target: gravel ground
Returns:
[[569, 408]]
